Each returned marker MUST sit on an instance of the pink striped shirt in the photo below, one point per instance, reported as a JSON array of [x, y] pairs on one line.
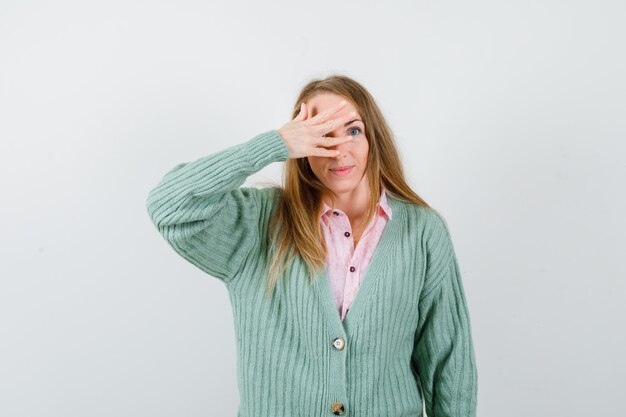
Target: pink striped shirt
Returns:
[[342, 255]]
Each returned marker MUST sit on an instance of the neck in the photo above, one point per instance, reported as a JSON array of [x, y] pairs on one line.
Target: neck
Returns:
[[354, 203]]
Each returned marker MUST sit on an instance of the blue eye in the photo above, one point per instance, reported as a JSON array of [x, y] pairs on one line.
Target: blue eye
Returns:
[[354, 128]]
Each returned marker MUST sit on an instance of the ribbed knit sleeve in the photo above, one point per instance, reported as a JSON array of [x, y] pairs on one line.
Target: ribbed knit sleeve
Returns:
[[201, 211], [443, 352]]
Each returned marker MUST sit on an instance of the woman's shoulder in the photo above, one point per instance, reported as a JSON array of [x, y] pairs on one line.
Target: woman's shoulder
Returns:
[[269, 193], [425, 220], [264, 196], [263, 190]]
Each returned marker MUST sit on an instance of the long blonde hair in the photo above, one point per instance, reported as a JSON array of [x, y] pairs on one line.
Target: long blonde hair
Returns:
[[294, 228]]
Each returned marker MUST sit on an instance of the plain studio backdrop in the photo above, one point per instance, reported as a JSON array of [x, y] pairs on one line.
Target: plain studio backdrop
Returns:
[[510, 118]]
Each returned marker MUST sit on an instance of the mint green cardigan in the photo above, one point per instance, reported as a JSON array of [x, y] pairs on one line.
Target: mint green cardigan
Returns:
[[407, 337]]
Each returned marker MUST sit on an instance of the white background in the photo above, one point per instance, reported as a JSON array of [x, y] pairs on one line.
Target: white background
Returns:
[[510, 117]]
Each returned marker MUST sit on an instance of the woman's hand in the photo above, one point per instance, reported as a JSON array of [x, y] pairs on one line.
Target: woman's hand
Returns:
[[304, 136]]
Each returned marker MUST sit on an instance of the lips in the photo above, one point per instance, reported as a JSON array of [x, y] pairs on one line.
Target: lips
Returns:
[[343, 168], [342, 171]]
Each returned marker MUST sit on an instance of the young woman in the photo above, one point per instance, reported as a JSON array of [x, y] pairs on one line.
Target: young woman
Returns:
[[346, 292]]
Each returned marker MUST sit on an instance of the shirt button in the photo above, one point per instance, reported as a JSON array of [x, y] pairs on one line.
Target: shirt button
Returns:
[[347, 234], [339, 343], [352, 269], [337, 409]]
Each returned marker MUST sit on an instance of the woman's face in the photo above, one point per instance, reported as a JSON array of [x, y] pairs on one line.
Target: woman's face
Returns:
[[353, 154]]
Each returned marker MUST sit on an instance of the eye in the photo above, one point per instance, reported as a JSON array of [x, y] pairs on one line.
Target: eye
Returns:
[[353, 128]]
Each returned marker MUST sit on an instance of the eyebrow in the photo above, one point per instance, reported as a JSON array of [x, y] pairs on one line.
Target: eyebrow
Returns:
[[352, 121]]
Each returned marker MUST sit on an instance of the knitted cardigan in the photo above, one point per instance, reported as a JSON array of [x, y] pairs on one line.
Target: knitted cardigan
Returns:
[[407, 338]]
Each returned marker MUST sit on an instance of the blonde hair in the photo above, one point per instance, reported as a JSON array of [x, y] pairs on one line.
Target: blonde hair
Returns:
[[294, 228]]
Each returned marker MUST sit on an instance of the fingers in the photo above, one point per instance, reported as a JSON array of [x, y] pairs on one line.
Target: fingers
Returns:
[[328, 141], [325, 152], [321, 117], [331, 125], [303, 112]]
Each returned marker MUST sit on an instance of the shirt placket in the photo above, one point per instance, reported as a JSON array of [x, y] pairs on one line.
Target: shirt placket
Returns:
[[354, 271]]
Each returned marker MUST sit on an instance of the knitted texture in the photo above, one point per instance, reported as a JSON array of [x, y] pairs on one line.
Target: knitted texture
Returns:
[[406, 339]]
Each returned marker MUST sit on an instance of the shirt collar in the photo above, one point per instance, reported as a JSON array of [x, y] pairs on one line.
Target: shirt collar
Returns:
[[382, 204]]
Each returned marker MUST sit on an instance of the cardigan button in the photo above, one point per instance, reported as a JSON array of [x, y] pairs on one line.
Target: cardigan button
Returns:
[[339, 343], [347, 234], [352, 269], [336, 213], [337, 409]]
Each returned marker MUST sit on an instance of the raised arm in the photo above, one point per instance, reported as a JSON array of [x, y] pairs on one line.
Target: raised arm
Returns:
[[201, 211], [443, 352]]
